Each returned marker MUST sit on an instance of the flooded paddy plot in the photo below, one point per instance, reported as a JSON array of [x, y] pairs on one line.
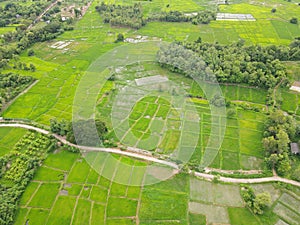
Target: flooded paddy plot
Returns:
[[61, 44], [235, 17], [151, 80]]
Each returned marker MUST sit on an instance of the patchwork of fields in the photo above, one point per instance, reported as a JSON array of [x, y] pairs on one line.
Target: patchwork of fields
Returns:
[[8, 138], [66, 190], [98, 188], [155, 124]]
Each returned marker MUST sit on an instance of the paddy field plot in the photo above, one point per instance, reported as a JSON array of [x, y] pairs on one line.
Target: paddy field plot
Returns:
[[164, 5], [287, 208], [154, 118], [74, 192], [9, 137]]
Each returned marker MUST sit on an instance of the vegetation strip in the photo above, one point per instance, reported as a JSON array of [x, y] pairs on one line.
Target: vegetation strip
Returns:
[[149, 158]]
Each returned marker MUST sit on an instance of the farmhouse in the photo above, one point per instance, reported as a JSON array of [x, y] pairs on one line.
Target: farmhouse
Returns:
[[295, 86], [295, 148]]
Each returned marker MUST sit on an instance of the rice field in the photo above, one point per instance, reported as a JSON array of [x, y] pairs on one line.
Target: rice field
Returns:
[[76, 193], [153, 123], [72, 189], [8, 138]]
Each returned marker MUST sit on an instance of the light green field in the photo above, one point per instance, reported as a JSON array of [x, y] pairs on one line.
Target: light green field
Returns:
[[152, 118], [182, 198], [8, 138], [164, 5], [59, 71]]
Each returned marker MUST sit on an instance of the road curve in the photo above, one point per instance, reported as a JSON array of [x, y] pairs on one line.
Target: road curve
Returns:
[[153, 159]]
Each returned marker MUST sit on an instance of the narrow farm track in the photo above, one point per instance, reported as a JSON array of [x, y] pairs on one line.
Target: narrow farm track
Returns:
[[23, 92], [153, 159], [42, 14]]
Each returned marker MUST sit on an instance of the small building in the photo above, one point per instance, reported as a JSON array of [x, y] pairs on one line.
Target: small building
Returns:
[[295, 148], [295, 86]]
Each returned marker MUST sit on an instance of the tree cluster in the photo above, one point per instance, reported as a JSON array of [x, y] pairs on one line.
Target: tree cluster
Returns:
[[204, 17], [83, 130], [177, 58], [15, 13], [254, 65], [17, 168], [132, 16], [236, 63], [280, 129], [257, 203], [11, 85], [121, 15], [15, 42]]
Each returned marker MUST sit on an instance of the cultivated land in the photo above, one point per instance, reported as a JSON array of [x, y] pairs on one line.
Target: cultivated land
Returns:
[[69, 181], [103, 188]]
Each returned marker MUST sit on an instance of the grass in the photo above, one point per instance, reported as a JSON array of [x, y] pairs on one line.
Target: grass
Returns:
[[241, 216], [54, 160], [47, 174], [128, 207], [30, 189], [9, 137], [45, 196], [98, 194], [181, 198], [161, 204], [82, 213], [217, 214], [197, 219], [37, 216], [156, 127], [62, 210], [219, 194], [59, 73]]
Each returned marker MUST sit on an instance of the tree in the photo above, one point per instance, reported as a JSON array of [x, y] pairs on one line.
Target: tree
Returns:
[[294, 20], [270, 145], [248, 195], [231, 113], [60, 128], [30, 52], [284, 164], [77, 12], [272, 160], [32, 67], [283, 141], [260, 202], [199, 40], [120, 38], [83, 129]]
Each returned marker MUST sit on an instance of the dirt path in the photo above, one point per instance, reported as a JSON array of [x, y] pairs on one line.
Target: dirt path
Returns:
[[247, 172], [274, 91], [21, 93], [153, 159], [42, 14]]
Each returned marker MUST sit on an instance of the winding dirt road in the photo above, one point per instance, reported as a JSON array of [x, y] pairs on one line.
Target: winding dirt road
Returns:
[[153, 159]]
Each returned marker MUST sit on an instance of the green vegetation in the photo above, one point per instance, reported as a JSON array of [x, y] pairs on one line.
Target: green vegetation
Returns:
[[258, 202], [280, 129], [17, 169], [11, 85], [9, 12], [249, 59], [130, 16]]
